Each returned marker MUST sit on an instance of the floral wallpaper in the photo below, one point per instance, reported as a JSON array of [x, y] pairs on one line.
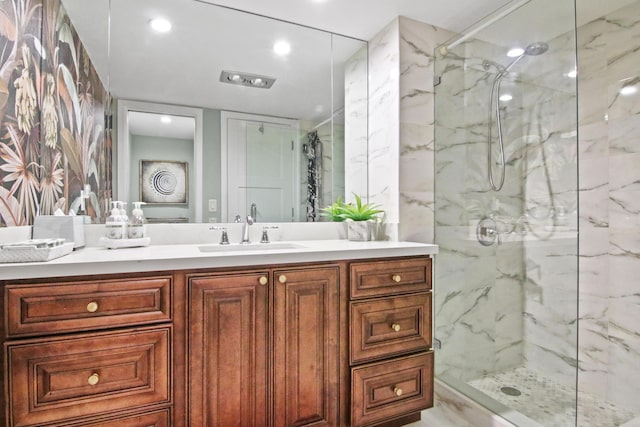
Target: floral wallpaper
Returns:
[[53, 141]]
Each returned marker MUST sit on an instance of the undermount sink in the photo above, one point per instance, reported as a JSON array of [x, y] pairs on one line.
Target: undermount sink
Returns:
[[249, 247]]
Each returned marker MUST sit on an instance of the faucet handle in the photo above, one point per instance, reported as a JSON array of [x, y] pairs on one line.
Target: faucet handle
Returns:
[[224, 238], [265, 235], [237, 219]]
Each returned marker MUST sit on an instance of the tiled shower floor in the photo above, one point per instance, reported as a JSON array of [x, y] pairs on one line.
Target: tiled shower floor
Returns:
[[549, 403]]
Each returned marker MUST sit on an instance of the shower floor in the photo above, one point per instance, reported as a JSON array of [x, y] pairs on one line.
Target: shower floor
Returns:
[[549, 403]]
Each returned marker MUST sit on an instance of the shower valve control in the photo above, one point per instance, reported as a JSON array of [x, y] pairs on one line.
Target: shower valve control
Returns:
[[487, 231]]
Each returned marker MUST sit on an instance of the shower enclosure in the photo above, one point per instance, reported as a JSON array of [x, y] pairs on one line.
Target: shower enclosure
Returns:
[[506, 303], [533, 323]]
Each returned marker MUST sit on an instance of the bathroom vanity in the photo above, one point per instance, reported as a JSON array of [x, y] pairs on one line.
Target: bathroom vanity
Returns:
[[325, 333]]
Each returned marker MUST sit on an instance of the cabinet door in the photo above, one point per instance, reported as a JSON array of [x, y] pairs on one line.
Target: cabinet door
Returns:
[[227, 350], [306, 370]]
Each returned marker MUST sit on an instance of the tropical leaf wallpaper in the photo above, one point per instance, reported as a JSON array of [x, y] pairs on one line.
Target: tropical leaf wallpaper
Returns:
[[52, 116]]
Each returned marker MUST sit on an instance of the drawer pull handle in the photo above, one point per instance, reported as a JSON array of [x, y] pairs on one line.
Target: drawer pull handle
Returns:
[[263, 280], [397, 278], [397, 391], [92, 307], [93, 379], [396, 327], [282, 278]]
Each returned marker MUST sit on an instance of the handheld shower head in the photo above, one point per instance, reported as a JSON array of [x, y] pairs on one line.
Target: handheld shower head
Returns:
[[535, 49]]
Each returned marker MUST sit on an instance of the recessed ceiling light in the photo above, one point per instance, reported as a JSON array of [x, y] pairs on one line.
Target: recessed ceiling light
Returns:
[[506, 97], [160, 25], [516, 51], [628, 90], [165, 119], [282, 47]]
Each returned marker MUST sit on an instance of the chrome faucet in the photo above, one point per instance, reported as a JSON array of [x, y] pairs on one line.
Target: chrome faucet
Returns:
[[245, 230]]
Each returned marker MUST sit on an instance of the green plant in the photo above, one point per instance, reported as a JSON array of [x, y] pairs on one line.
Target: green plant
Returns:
[[340, 211], [334, 212]]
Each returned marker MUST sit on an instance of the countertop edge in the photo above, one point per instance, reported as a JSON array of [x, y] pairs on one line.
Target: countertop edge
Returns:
[[96, 261]]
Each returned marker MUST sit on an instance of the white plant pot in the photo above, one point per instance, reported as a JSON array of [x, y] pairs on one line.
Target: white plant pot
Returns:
[[359, 231]]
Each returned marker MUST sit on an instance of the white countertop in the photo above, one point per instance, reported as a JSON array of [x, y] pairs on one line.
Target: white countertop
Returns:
[[94, 260]]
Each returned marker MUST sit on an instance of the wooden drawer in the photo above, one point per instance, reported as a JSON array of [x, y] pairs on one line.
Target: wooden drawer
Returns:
[[370, 279], [79, 306], [88, 375], [390, 326], [387, 390], [155, 419]]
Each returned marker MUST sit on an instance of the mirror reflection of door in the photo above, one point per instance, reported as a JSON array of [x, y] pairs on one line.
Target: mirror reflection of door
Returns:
[[161, 138], [262, 153]]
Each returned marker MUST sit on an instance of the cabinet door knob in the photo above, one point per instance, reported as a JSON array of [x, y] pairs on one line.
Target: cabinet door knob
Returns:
[[263, 280], [395, 327], [397, 391], [396, 278], [92, 307], [93, 379], [282, 278]]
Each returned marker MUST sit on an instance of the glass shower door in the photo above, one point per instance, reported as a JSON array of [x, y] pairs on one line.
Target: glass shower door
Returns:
[[506, 215]]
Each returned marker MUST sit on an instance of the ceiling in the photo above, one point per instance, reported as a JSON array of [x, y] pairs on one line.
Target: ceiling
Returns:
[[183, 67], [364, 18]]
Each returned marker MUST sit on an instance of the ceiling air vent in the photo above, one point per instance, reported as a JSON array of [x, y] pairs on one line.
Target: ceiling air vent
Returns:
[[246, 79]]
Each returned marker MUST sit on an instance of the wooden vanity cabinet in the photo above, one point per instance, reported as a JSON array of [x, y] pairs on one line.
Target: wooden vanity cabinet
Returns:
[[390, 338], [93, 351], [227, 349], [264, 347], [321, 344]]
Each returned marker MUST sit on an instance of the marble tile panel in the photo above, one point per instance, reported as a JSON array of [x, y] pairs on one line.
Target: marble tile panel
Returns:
[[550, 331], [457, 410], [624, 264], [417, 216], [623, 106], [553, 265], [594, 261], [356, 127], [623, 41], [624, 172], [592, 41], [416, 158], [624, 210], [624, 134], [594, 192], [624, 376], [593, 353], [383, 129], [593, 99], [594, 140]]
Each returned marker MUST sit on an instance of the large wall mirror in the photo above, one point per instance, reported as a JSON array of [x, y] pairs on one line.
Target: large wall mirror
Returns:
[[273, 115]]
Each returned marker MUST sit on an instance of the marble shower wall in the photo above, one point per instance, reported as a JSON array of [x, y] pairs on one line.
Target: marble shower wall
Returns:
[[609, 353], [401, 122]]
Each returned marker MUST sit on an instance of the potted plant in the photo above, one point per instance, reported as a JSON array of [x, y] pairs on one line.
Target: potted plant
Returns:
[[359, 217]]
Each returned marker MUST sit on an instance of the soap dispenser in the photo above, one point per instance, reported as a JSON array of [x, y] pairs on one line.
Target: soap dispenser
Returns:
[[115, 226], [137, 228]]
